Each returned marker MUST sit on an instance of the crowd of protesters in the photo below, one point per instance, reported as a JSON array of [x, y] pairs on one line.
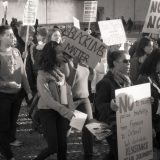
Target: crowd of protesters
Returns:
[[60, 84]]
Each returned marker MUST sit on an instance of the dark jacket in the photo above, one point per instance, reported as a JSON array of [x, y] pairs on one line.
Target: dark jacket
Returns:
[[154, 94], [105, 92]]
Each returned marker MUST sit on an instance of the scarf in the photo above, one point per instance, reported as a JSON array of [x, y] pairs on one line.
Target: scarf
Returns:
[[121, 79], [59, 79]]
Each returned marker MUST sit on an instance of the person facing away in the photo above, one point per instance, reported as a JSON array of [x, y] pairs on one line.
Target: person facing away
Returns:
[[55, 103], [117, 77], [12, 79]]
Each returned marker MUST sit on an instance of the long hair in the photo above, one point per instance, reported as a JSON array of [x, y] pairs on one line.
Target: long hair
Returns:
[[48, 59], [149, 65], [141, 45]]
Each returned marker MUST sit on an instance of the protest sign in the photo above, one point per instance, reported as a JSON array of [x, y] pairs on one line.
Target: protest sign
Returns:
[[134, 123], [78, 120], [30, 12], [5, 5], [79, 43], [112, 32], [152, 22], [76, 22], [90, 11]]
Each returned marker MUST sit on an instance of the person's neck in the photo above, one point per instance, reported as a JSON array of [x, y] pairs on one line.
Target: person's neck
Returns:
[[4, 48]]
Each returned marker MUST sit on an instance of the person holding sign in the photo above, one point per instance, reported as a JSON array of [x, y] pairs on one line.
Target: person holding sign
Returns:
[[117, 77], [12, 79], [150, 72], [55, 102]]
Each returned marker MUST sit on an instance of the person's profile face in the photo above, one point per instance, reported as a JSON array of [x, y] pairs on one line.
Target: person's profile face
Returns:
[[122, 64]]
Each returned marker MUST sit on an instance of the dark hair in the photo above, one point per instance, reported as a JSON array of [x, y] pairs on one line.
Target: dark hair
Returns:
[[48, 59], [141, 45], [3, 29], [112, 56], [149, 65]]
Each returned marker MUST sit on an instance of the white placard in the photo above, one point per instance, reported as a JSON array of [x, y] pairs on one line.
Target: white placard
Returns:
[[30, 12], [78, 43], [78, 120], [152, 22], [90, 11], [5, 4], [134, 123], [112, 32], [76, 22]]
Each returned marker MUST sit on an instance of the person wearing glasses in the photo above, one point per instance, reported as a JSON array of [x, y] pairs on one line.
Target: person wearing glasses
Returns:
[[150, 72], [117, 77]]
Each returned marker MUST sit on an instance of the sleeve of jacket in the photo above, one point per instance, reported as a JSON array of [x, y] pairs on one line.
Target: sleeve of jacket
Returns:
[[49, 99], [102, 101]]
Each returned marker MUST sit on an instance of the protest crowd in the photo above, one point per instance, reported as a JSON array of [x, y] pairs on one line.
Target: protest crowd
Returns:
[[57, 80]]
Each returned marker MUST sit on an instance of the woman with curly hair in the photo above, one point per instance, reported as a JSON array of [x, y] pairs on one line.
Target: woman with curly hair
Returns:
[[55, 102], [144, 48]]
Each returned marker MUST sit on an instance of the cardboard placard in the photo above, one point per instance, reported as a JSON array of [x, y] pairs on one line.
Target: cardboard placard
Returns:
[[30, 12], [134, 123], [76, 22], [90, 11], [112, 32], [152, 22], [86, 47]]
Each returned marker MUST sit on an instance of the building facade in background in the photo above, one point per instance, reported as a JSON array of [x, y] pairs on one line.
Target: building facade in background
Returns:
[[62, 11]]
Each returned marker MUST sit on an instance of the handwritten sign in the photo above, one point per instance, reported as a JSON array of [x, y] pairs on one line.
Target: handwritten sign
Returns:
[[30, 12], [134, 123], [79, 43], [90, 11], [112, 32], [76, 22], [152, 22]]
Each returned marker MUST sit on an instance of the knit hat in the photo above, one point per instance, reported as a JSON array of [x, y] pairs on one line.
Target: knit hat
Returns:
[[42, 31]]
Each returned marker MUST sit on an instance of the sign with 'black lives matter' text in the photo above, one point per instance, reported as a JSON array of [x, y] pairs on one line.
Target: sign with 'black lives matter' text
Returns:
[[152, 22], [78, 43]]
